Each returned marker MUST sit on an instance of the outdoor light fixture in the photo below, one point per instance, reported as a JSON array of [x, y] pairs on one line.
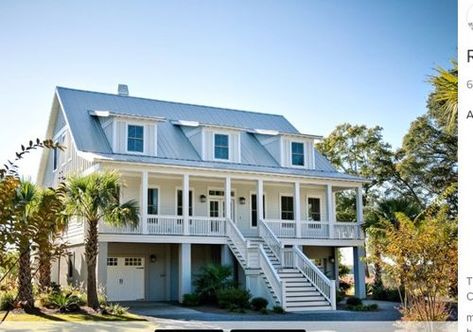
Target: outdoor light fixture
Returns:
[[331, 259], [203, 199], [152, 258], [242, 200]]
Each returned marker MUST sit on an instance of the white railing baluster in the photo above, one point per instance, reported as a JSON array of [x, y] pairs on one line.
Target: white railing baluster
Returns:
[[270, 239], [273, 278]]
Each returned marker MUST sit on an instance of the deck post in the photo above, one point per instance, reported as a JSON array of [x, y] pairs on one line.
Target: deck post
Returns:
[[297, 208], [185, 203], [330, 211], [359, 271], [359, 211], [185, 276], [259, 200], [228, 198], [144, 202]]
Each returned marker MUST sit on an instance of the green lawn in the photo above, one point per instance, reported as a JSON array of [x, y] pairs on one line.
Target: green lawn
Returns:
[[70, 317]]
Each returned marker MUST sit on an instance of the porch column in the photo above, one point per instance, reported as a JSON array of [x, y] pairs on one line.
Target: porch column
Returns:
[[102, 264], [359, 271], [330, 211], [185, 273], [297, 208], [335, 266], [259, 200], [144, 202], [185, 203], [228, 198], [359, 210]]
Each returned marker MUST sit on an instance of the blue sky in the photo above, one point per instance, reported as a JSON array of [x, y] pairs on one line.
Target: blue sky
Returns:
[[319, 63]]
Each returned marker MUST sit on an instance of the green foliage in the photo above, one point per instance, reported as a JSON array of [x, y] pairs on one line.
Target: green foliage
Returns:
[[259, 303], [210, 280], [354, 301], [362, 307], [378, 292], [7, 299], [191, 300], [116, 309], [64, 302], [278, 309], [344, 286], [233, 299]]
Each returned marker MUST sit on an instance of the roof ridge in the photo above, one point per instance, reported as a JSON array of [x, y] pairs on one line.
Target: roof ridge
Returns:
[[177, 102]]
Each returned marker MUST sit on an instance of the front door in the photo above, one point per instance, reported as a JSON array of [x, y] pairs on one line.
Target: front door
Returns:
[[217, 208], [125, 278]]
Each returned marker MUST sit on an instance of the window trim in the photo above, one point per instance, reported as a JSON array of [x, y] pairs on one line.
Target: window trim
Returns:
[[264, 208], [293, 205], [229, 146], [303, 154], [127, 125], [55, 159], [159, 200], [320, 198], [191, 189]]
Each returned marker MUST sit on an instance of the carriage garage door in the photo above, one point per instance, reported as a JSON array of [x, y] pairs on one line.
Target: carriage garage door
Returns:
[[125, 278]]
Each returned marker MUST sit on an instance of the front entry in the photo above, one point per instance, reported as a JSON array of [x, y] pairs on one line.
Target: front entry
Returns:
[[125, 278], [217, 208]]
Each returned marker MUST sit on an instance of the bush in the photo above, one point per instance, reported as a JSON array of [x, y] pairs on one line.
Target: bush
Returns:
[[354, 301], [385, 294], [191, 300], [340, 296], [211, 279], [64, 302], [233, 298], [361, 307], [7, 300], [278, 309], [264, 311], [344, 286], [116, 309], [259, 303]]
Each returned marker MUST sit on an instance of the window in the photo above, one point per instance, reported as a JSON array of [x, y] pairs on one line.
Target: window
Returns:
[[254, 210], [179, 202], [133, 261], [55, 158], [219, 193], [297, 152], [135, 138], [152, 200], [70, 265], [214, 209], [313, 205], [287, 208], [221, 146], [112, 261]]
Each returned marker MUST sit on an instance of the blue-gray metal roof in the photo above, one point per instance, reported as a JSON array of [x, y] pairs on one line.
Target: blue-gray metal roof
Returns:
[[174, 147]]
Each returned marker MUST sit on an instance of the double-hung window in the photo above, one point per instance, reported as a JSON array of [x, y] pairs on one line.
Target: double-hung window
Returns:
[[153, 201], [287, 208], [180, 203], [135, 138], [313, 212], [221, 149], [297, 153]]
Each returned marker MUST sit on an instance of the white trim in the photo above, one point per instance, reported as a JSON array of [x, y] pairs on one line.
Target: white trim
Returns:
[[320, 198], [229, 146], [303, 150], [264, 207], [238, 142], [282, 157], [115, 135], [191, 189], [127, 124], [158, 187], [203, 147], [155, 139], [280, 205]]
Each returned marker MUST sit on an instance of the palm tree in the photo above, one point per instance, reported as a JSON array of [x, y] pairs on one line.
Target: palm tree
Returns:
[[93, 198], [445, 96], [23, 227]]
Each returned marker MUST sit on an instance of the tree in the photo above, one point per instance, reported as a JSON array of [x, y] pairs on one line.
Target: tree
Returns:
[[93, 198]]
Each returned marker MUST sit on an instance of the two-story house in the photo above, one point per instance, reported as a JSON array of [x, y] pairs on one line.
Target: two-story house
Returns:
[[214, 185]]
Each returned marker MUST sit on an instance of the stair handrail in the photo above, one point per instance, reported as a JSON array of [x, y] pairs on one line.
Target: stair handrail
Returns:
[[324, 285], [270, 239], [277, 284], [237, 238]]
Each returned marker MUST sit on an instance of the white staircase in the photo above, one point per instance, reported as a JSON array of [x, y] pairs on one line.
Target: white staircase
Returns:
[[294, 282]]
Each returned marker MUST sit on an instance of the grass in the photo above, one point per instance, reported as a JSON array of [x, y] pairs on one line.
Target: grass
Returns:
[[69, 317]]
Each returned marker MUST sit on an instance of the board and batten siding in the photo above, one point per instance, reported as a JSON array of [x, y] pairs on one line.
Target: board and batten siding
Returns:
[[233, 144], [308, 152], [150, 137]]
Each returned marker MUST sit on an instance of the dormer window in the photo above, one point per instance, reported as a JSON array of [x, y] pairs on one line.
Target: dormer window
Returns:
[[221, 149], [297, 154], [135, 141]]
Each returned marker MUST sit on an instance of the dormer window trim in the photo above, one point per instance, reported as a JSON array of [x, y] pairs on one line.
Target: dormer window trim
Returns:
[[135, 124], [291, 154], [228, 147]]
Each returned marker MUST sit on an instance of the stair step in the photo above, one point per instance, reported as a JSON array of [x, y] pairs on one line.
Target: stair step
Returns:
[[305, 300], [299, 293], [300, 289], [294, 279], [308, 309], [294, 283]]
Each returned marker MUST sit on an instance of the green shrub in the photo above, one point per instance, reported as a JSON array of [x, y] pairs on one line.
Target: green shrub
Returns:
[[64, 302], [354, 301], [211, 279], [191, 300], [385, 294], [344, 286], [258, 303], [116, 309], [278, 309], [340, 296], [361, 307], [264, 311], [7, 299], [233, 298]]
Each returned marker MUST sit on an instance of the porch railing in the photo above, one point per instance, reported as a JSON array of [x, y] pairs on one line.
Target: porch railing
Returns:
[[277, 284], [282, 228], [207, 226], [237, 239], [315, 229], [270, 239]]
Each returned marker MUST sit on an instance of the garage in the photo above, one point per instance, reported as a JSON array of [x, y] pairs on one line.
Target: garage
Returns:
[[125, 278]]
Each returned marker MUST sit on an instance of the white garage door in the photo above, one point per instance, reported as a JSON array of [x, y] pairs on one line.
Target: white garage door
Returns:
[[125, 278]]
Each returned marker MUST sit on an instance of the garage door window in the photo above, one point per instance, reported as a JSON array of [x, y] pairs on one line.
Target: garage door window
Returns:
[[133, 261], [112, 261]]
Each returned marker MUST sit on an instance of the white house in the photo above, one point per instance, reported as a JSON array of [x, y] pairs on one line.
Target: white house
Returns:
[[257, 196]]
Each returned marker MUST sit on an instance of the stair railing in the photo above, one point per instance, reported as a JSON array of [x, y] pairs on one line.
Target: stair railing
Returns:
[[316, 277], [237, 239], [277, 284], [271, 240]]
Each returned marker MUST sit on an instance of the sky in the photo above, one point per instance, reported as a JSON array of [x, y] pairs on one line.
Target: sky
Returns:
[[318, 63]]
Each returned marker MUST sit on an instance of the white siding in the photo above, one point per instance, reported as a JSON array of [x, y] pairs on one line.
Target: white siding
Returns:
[[233, 144], [150, 136], [308, 152]]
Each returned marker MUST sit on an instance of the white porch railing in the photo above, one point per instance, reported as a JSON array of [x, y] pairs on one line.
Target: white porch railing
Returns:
[[282, 228], [237, 238], [325, 286], [270, 273], [207, 226], [128, 229], [315, 230], [347, 230], [270, 239], [166, 225]]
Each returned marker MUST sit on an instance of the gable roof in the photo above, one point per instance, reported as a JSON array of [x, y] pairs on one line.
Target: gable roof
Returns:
[[174, 147]]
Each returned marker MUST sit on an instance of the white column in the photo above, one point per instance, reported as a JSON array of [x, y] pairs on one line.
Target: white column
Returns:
[[185, 203], [336, 266], [228, 197], [144, 202], [259, 200], [185, 272], [359, 210], [102, 264], [359, 271], [330, 210], [297, 207]]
